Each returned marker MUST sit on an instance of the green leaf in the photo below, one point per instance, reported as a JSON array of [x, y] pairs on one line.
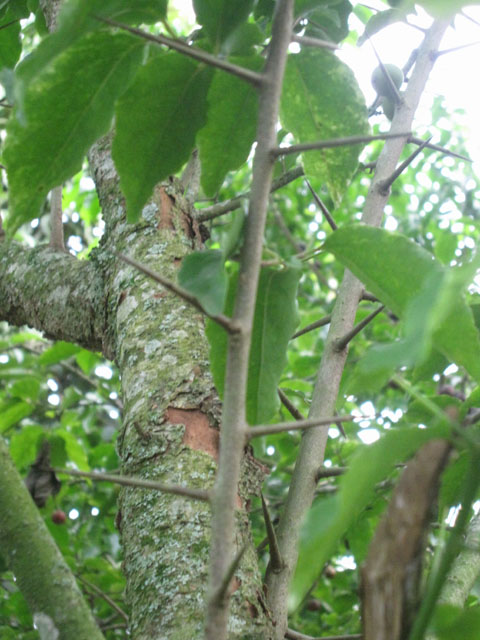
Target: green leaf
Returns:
[[168, 99], [323, 527], [76, 97], [331, 22], [445, 8], [379, 21], [58, 352], [274, 322], [78, 18], [220, 17], [75, 451], [13, 412], [24, 445], [10, 45], [26, 388], [203, 274], [450, 622], [232, 233], [322, 100], [395, 269], [226, 139]]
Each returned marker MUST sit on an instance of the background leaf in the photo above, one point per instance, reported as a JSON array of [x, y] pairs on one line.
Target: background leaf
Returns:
[[220, 17], [203, 274]]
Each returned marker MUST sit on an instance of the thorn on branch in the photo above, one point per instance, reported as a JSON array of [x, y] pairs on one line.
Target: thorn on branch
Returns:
[[384, 185], [222, 320], [326, 213], [276, 561], [308, 41], [289, 405], [310, 327], [436, 147], [341, 343], [222, 591], [391, 84], [196, 494], [269, 429], [254, 78]]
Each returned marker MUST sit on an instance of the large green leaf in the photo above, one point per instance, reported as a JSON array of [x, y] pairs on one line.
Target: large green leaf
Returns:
[[203, 274], [220, 17], [322, 100], [10, 46], [226, 139], [75, 96], [395, 269], [274, 323], [78, 18], [328, 520], [156, 123], [12, 412], [445, 8]]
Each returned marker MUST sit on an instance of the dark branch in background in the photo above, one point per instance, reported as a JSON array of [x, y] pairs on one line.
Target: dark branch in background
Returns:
[[197, 54], [276, 561], [310, 327], [386, 184], [125, 481], [322, 207], [314, 42], [289, 405], [335, 142], [436, 147], [268, 429], [101, 594], [341, 343], [330, 472], [216, 210], [220, 319]]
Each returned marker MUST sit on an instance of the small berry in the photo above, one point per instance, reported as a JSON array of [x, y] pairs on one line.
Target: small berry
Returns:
[[58, 516]]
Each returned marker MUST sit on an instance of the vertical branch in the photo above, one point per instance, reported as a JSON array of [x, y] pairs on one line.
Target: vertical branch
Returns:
[[56, 224], [324, 397], [234, 420]]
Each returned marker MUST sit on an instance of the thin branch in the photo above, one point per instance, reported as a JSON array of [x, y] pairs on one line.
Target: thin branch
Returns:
[[308, 41], [295, 635], [310, 327], [222, 590], [322, 207], [387, 183], [289, 405], [336, 142], [341, 343], [216, 210], [197, 54], [276, 561], [125, 481], [220, 319], [330, 472], [436, 147], [104, 596], [269, 429]]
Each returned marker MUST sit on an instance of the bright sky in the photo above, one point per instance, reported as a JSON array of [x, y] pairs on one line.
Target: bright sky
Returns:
[[455, 75]]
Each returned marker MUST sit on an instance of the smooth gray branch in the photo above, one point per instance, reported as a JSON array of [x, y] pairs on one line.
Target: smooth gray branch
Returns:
[[269, 429], [335, 142]]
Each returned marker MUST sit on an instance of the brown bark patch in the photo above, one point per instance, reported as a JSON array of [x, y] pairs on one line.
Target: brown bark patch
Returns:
[[165, 204], [199, 435]]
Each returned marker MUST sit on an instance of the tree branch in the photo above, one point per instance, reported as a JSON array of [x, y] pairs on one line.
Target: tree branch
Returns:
[[436, 147], [269, 429], [308, 41], [335, 142], [140, 483], [322, 207], [387, 183], [276, 561], [220, 319], [233, 430], [289, 405], [197, 54], [312, 448], [342, 342], [310, 327]]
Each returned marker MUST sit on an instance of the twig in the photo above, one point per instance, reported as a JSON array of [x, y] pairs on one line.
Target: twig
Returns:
[[276, 561], [322, 207], [125, 481], [335, 142], [330, 472], [220, 319], [310, 327], [295, 635], [104, 596], [289, 405], [197, 54], [341, 343], [387, 183], [216, 210], [436, 147], [308, 41], [57, 241], [268, 429]]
